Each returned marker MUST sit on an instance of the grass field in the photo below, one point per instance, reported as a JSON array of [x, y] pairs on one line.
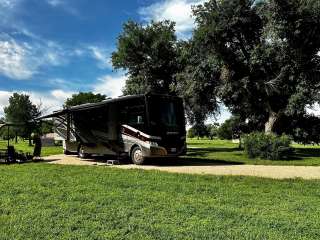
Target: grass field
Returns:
[[224, 151], [42, 201], [24, 146]]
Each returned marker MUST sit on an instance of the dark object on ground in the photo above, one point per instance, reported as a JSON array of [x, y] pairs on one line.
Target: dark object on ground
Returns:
[[37, 147], [10, 155]]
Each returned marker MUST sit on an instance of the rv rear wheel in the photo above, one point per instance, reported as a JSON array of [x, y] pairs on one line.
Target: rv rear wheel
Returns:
[[136, 156], [82, 154]]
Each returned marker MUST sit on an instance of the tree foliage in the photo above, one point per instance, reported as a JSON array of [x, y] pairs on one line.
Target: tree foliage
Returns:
[[84, 97], [21, 111], [209, 131], [232, 128], [199, 131], [148, 54], [197, 82], [266, 53], [304, 128], [213, 130], [47, 126]]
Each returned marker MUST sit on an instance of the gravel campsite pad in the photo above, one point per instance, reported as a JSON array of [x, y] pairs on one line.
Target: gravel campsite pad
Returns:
[[276, 172]]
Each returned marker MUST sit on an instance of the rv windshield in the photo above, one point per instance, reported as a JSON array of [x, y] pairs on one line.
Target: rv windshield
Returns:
[[165, 114]]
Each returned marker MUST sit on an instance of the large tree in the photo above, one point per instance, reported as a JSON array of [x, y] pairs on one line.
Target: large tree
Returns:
[[21, 111], [84, 97], [148, 55], [197, 82], [266, 54]]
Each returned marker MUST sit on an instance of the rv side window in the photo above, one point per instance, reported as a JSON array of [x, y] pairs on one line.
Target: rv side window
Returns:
[[135, 117]]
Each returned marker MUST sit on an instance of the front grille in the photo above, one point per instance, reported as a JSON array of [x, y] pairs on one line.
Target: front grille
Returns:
[[170, 142]]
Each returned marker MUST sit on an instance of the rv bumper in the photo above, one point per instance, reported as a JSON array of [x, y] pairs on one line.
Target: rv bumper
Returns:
[[162, 152]]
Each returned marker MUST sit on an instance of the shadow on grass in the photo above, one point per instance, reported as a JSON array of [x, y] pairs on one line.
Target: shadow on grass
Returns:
[[172, 161], [185, 161], [201, 152], [193, 158], [302, 153]]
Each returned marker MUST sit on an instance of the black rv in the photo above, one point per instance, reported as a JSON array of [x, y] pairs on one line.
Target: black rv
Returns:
[[139, 126]]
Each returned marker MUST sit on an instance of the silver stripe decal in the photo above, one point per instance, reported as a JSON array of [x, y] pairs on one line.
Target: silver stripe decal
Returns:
[[141, 133]]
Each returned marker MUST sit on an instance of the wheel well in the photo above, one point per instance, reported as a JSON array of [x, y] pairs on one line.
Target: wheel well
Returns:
[[78, 148], [132, 147]]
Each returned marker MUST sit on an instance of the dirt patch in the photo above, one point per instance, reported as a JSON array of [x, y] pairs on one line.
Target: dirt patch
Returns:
[[276, 172], [72, 160]]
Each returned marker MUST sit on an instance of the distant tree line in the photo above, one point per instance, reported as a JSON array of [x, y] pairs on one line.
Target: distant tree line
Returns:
[[304, 129]]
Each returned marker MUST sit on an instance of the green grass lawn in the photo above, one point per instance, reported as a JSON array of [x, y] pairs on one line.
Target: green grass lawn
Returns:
[[24, 146], [224, 151], [42, 201]]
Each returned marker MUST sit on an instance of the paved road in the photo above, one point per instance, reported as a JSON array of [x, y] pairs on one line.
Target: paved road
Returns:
[[276, 172]]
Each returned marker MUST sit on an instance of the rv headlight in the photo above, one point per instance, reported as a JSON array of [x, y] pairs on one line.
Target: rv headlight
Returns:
[[153, 144]]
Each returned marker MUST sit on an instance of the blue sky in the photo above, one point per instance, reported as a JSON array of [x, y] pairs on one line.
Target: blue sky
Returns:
[[53, 48]]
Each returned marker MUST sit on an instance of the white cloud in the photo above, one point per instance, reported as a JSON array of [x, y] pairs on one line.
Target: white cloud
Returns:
[[7, 3], [4, 97], [103, 56], [65, 5], [110, 85], [78, 52], [61, 94], [13, 60], [8, 9], [50, 101], [55, 3], [178, 11], [22, 60], [57, 81]]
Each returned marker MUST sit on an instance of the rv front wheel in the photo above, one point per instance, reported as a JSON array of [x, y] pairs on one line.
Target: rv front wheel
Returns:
[[136, 156]]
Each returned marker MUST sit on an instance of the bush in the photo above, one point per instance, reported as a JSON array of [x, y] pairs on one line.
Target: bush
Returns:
[[267, 146]]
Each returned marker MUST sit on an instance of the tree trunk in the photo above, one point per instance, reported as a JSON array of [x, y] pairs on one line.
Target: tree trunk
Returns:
[[30, 142], [16, 138], [269, 125]]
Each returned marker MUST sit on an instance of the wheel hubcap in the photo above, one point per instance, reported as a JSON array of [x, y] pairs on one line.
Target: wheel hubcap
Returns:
[[137, 155]]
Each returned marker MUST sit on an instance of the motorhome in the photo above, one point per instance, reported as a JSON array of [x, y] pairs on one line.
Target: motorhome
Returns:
[[139, 126]]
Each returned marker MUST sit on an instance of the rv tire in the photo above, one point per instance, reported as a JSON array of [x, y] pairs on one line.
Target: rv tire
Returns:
[[82, 154], [136, 156]]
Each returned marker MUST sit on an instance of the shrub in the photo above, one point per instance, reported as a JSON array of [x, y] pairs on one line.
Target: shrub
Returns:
[[267, 146]]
